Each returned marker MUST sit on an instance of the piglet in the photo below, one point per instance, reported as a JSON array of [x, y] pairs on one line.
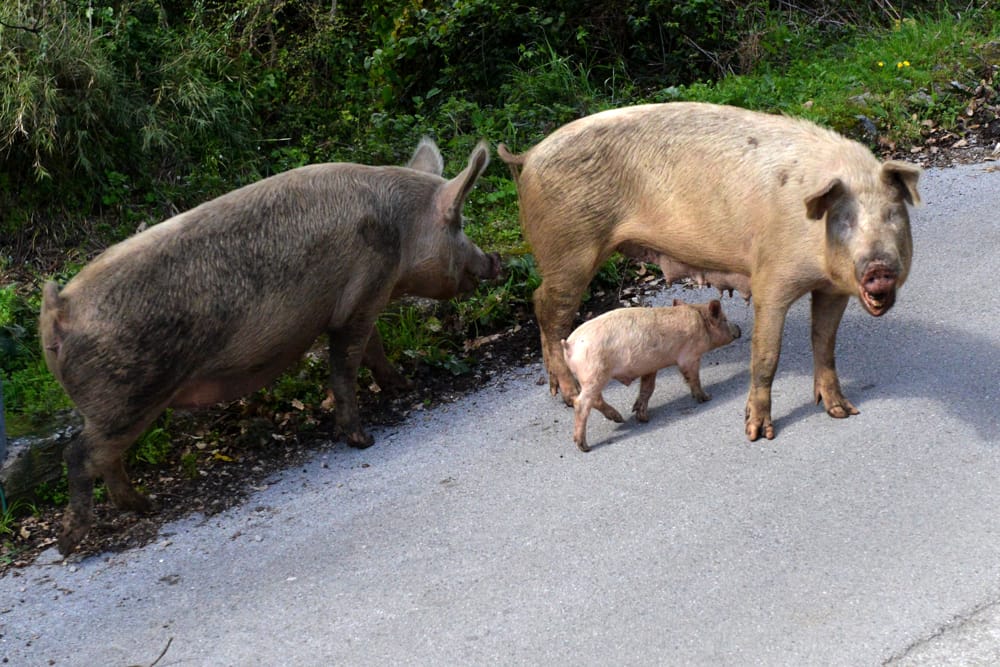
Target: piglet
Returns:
[[630, 343]]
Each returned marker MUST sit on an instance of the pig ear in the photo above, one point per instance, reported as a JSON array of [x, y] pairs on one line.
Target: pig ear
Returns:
[[427, 158], [451, 196], [903, 176], [818, 203], [678, 302], [714, 308]]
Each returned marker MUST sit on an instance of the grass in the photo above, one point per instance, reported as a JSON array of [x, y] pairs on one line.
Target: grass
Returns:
[[896, 79]]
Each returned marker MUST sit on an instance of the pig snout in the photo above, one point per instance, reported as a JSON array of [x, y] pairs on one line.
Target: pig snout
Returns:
[[878, 288], [486, 267]]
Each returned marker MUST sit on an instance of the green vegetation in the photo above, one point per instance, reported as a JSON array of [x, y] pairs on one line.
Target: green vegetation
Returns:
[[118, 113]]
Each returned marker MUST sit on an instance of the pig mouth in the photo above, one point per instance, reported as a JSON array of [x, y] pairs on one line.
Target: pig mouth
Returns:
[[878, 289], [878, 304], [471, 277]]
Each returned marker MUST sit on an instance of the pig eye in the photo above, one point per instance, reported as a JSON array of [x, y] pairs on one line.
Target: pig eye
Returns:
[[842, 222]]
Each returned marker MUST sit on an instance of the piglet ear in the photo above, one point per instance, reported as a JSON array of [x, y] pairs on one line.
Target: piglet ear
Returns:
[[714, 308], [821, 201], [451, 196], [427, 158], [903, 176]]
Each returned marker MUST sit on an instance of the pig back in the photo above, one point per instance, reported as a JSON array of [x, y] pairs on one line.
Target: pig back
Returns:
[[669, 177], [629, 342], [251, 275]]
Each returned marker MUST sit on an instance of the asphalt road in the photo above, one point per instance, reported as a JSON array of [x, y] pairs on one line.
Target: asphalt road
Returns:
[[477, 533]]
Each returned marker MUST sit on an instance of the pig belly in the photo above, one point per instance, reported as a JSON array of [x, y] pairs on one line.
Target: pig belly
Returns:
[[229, 385], [643, 362]]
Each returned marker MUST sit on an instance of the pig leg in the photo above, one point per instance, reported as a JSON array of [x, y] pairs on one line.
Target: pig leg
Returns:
[[589, 398], [827, 309], [765, 350], [607, 409], [385, 374], [556, 302], [647, 383], [347, 346], [581, 410], [94, 454], [691, 371]]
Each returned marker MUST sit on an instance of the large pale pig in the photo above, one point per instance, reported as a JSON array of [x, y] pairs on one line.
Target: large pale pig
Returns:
[[629, 343], [765, 204], [218, 301]]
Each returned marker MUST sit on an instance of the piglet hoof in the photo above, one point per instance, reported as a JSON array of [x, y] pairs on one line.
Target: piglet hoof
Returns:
[[582, 445], [702, 397], [641, 413], [610, 413]]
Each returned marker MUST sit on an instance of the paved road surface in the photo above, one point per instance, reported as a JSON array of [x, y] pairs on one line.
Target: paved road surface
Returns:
[[477, 533]]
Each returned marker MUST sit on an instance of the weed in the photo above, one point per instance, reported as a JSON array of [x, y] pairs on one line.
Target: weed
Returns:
[[56, 493], [189, 464], [411, 331], [154, 446], [8, 516], [53, 493]]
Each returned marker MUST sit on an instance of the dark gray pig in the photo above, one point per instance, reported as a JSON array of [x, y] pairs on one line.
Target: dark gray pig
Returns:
[[217, 301], [761, 203]]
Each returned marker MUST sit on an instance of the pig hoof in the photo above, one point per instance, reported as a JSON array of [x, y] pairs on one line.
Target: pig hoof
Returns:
[[641, 414], [757, 430], [138, 503], [583, 446], [610, 413], [703, 398], [72, 534], [842, 411], [360, 440], [394, 385]]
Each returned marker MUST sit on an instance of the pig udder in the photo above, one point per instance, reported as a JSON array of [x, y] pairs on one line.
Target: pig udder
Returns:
[[675, 270]]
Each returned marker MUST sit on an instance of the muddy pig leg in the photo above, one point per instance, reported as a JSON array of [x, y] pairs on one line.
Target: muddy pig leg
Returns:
[[691, 371], [556, 302], [765, 350], [827, 310], [95, 454], [647, 384], [347, 345], [385, 374]]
